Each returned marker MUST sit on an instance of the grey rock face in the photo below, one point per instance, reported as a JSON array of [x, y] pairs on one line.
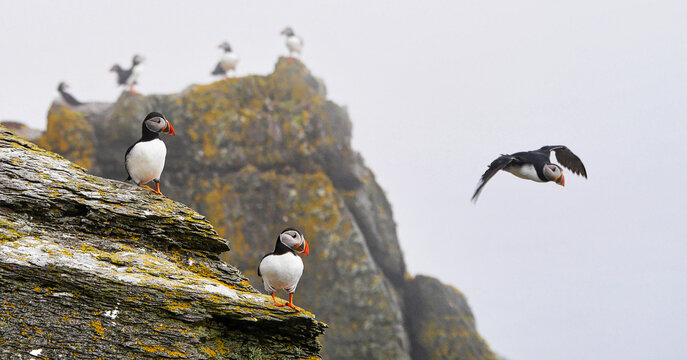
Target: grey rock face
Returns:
[[257, 154], [96, 268]]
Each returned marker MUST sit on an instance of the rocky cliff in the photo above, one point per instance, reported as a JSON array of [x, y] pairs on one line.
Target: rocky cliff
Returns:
[[258, 153], [92, 268]]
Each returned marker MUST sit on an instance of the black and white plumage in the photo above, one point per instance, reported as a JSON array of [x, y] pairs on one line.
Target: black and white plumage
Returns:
[[293, 42], [282, 268], [534, 165], [128, 77], [227, 62], [66, 97], [145, 159]]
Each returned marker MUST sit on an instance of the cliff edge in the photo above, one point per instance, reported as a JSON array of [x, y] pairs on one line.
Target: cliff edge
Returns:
[[258, 153], [96, 268]]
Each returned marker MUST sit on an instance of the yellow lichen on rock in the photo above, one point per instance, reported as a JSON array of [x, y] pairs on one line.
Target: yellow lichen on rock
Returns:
[[69, 134]]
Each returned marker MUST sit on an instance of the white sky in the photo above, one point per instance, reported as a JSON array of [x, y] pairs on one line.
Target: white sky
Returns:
[[437, 90]]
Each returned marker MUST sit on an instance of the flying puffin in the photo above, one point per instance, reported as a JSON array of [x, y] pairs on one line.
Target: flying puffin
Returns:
[[128, 77], [145, 159], [227, 62], [293, 42], [534, 165], [67, 97], [282, 268]]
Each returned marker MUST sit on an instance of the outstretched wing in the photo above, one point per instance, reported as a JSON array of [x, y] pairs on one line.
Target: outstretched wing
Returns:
[[496, 165], [567, 159]]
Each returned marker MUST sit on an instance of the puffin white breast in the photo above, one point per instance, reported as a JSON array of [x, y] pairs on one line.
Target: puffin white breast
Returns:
[[146, 160], [281, 271]]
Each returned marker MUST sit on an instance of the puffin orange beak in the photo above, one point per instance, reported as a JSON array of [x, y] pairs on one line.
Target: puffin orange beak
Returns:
[[560, 180], [169, 130], [306, 248]]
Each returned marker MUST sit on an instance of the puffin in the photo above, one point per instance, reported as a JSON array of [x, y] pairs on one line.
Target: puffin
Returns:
[[535, 165], [128, 77], [282, 268], [145, 159], [67, 97], [227, 62], [293, 42]]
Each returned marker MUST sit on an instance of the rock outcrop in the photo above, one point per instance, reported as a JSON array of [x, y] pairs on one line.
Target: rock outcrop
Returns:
[[92, 268], [259, 153]]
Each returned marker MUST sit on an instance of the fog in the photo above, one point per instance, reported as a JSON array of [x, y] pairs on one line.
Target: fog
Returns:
[[437, 90]]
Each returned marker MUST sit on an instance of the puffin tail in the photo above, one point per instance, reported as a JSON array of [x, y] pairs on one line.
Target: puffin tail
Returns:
[[127, 178]]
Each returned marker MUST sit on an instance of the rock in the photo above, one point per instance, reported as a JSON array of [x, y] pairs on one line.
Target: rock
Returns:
[[259, 153], [441, 324], [21, 130], [96, 268]]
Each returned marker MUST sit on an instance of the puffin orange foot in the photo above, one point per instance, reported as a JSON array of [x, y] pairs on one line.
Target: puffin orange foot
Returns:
[[291, 305], [134, 91], [277, 304], [147, 187], [157, 189]]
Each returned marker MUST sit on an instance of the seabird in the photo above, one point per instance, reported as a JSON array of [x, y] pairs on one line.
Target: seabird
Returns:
[[67, 97], [535, 165], [145, 159], [282, 268], [227, 62], [129, 76], [293, 42]]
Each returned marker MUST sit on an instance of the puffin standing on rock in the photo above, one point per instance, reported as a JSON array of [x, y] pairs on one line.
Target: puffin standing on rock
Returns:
[[128, 77], [293, 42], [145, 159], [282, 268], [534, 165], [227, 62], [67, 97]]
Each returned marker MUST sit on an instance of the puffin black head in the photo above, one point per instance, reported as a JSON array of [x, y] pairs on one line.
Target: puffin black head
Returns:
[[288, 31], [225, 46], [553, 172], [137, 59], [62, 86], [293, 240], [154, 124], [115, 68]]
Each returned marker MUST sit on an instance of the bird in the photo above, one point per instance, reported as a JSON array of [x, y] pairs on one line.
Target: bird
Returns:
[[145, 159], [535, 165], [128, 77], [227, 62], [282, 268], [66, 97], [293, 42]]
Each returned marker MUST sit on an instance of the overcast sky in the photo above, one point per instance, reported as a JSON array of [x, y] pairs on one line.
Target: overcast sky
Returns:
[[436, 90]]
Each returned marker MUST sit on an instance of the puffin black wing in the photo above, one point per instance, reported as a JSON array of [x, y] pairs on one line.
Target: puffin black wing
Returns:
[[567, 159], [496, 165], [218, 70], [263, 258], [126, 155], [70, 99]]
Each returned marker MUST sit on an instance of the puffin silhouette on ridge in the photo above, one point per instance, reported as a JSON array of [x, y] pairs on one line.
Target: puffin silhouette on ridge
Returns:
[[227, 62], [293, 42], [66, 97], [129, 77]]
